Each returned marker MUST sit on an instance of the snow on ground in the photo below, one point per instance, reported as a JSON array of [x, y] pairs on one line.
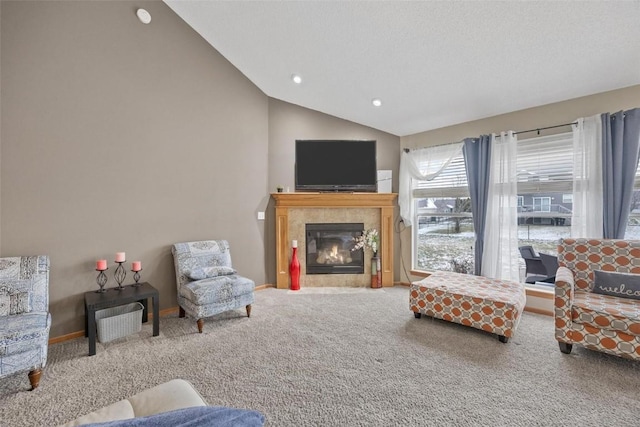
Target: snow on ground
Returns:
[[438, 244]]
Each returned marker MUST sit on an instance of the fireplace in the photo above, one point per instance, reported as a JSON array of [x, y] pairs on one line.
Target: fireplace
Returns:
[[329, 248]]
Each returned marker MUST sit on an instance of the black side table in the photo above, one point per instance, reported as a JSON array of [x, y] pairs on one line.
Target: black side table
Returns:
[[112, 297]]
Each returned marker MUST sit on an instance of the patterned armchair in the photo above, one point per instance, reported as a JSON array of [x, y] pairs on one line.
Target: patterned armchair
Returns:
[[207, 283], [599, 322], [24, 316]]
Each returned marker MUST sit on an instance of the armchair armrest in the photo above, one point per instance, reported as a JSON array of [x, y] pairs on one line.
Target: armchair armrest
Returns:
[[564, 291], [565, 283]]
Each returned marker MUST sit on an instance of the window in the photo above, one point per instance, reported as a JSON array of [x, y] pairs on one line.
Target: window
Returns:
[[443, 229], [545, 181], [633, 225], [542, 204], [443, 225]]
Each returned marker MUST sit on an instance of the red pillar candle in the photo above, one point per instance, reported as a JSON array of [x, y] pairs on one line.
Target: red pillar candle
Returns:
[[136, 266], [101, 265]]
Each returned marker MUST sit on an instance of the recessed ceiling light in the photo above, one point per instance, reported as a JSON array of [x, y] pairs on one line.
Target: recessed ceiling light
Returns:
[[296, 79], [376, 102], [143, 16]]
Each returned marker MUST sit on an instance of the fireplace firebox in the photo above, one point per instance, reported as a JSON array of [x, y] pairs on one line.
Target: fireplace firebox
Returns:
[[329, 248]]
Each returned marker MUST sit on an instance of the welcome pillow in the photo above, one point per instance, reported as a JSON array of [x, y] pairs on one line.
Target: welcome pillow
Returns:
[[617, 284]]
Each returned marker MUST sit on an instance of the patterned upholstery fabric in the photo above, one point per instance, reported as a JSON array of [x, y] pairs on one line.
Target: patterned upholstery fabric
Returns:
[[213, 295], [599, 322], [24, 331], [491, 305]]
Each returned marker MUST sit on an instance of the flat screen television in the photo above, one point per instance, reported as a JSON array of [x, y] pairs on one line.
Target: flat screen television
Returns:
[[336, 165]]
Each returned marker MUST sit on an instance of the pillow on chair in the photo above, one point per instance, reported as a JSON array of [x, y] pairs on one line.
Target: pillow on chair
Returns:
[[617, 284], [13, 301], [200, 273]]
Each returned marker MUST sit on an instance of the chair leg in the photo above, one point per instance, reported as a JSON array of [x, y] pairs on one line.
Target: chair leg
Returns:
[[34, 378], [565, 347], [503, 339], [181, 312], [249, 310], [200, 325]]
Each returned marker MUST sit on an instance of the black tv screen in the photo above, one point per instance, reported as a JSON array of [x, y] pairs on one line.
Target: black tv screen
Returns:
[[336, 165]]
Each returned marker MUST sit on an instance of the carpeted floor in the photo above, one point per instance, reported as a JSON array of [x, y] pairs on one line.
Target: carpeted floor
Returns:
[[341, 359]]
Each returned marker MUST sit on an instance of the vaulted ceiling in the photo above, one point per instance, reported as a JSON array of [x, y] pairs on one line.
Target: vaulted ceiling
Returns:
[[431, 63]]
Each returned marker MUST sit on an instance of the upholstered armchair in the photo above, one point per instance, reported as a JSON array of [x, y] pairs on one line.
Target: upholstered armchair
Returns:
[[207, 283], [599, 322], [24, 316]]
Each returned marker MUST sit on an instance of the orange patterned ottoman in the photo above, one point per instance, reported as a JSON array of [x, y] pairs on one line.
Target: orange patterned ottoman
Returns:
[[492, 305]]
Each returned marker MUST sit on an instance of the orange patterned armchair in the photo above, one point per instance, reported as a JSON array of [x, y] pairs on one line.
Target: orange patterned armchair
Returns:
[[599, 322]]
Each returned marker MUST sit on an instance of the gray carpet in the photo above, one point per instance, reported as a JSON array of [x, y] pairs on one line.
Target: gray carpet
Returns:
[[341, 359]]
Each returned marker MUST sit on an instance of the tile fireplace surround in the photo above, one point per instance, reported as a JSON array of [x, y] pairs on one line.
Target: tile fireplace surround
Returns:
[[294, 210]]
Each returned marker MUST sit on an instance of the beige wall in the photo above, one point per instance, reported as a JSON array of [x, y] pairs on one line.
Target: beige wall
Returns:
[[546, 115], [531, 118], [288, 122], [119, 136]]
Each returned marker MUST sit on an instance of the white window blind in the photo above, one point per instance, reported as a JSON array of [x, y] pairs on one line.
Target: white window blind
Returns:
[[545, 164], [452, 182]]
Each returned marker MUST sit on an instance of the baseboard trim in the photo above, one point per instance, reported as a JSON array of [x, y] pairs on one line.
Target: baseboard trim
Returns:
[[165, 312], [420, 273], [540, 293], [67, 337], [538, 311], [80, 334]]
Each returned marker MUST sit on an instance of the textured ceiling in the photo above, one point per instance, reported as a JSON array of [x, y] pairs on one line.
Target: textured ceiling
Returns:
[[432, 63]]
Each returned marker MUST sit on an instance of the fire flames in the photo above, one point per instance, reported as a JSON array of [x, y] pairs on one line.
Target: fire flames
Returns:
[[334, 255]]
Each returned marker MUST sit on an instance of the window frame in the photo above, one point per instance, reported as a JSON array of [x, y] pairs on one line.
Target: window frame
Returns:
[[557, 179], [542, 205]]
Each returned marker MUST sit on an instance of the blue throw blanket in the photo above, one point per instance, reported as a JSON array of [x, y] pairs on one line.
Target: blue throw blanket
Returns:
[[198, 416]]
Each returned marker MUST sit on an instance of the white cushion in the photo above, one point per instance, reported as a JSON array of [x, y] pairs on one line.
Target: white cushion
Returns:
[[174, 394], [121, 410]]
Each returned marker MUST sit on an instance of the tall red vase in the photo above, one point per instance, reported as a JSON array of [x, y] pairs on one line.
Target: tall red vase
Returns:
[[294, 267]]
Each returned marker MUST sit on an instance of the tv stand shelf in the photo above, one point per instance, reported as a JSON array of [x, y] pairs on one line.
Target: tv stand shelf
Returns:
[[386, 202]]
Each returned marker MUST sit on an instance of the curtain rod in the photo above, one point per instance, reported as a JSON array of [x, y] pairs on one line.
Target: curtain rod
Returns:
[[406, 150], [545, 128]]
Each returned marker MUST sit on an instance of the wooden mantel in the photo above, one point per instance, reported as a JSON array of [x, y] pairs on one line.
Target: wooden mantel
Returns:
[[285, 201]]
